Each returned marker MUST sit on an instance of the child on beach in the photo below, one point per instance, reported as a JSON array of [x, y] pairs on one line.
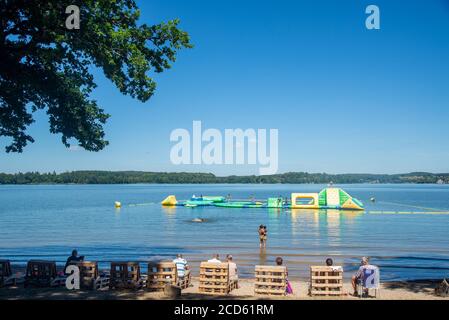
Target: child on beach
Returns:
[[288, 288]]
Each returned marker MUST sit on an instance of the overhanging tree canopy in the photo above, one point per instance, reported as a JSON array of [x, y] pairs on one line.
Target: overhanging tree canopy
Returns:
[[43, 65]]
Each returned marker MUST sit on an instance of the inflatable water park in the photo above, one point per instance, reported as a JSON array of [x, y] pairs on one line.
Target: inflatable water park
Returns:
[[328, 198]]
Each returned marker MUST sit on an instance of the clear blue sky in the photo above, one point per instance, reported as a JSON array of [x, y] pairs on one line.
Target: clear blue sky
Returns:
[[344, 98]]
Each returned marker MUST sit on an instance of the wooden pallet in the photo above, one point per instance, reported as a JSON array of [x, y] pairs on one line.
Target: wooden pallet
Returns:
[[125, 275], [270, 280], [184, 282], [233, 284], [5, 271], [89, 276], [40, 273], [214, 278], [326, 281], [160, 274]]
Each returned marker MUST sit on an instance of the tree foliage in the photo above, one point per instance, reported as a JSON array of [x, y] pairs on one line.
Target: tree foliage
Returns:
[[43, 65], [126, 177]]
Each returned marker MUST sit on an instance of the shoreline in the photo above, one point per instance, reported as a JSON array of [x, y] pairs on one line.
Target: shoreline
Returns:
[[396, 290], [155, 177], [220, 183]]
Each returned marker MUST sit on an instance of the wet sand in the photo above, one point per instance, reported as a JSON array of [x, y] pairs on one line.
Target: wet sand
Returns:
[[407, 290]]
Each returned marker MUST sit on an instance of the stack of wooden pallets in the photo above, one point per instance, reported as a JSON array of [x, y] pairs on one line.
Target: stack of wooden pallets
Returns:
[[326, 281], [125, 275], [89, 276], [214, 278], [184, 282], [270, 280], [5, 271], [40, 273], [160, 274]]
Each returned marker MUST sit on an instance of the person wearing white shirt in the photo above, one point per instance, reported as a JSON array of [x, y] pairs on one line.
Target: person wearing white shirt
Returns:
[[364, 264], [215, 259]]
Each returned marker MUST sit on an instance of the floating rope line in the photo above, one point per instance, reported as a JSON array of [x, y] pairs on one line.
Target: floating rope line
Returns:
[[412, 206], [141, 204], [408, 212]]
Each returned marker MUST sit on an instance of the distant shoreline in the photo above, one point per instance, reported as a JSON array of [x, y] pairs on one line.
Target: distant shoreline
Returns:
[[142, 177], [218, 183]]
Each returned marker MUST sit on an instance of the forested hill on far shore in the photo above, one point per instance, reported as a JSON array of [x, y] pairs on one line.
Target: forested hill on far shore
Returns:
[[126, 177]]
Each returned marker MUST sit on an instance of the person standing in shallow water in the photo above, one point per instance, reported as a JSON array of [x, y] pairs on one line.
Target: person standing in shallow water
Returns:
[[262, 236], [261, 233], [265, 235]]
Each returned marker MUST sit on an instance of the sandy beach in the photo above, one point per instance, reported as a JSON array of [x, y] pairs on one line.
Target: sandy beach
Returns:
[[408, 290]]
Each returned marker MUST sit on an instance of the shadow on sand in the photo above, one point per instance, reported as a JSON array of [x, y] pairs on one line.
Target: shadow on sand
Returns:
[[423, 289], [14, 293], [416, 286]]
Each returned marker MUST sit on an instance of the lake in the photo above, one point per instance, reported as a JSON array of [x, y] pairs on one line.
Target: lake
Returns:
[[405, 232]]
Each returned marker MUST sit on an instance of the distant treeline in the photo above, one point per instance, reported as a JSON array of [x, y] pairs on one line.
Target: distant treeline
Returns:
[[126, 177]]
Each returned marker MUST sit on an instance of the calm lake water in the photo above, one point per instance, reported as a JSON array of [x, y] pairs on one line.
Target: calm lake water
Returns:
[[47, 221]]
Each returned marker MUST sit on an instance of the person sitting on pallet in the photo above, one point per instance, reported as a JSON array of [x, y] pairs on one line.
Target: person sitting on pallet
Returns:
[[215, 259], [330, 263], [233, 274], [288, 288], [73, 259], [181, 266]]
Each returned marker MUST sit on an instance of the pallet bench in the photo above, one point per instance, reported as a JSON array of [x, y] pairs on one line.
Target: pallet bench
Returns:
[[326, 281], [125, 275], [40, 273], [5, 271], [90, 276], [160, 274], [214, 278], [270, 280]]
